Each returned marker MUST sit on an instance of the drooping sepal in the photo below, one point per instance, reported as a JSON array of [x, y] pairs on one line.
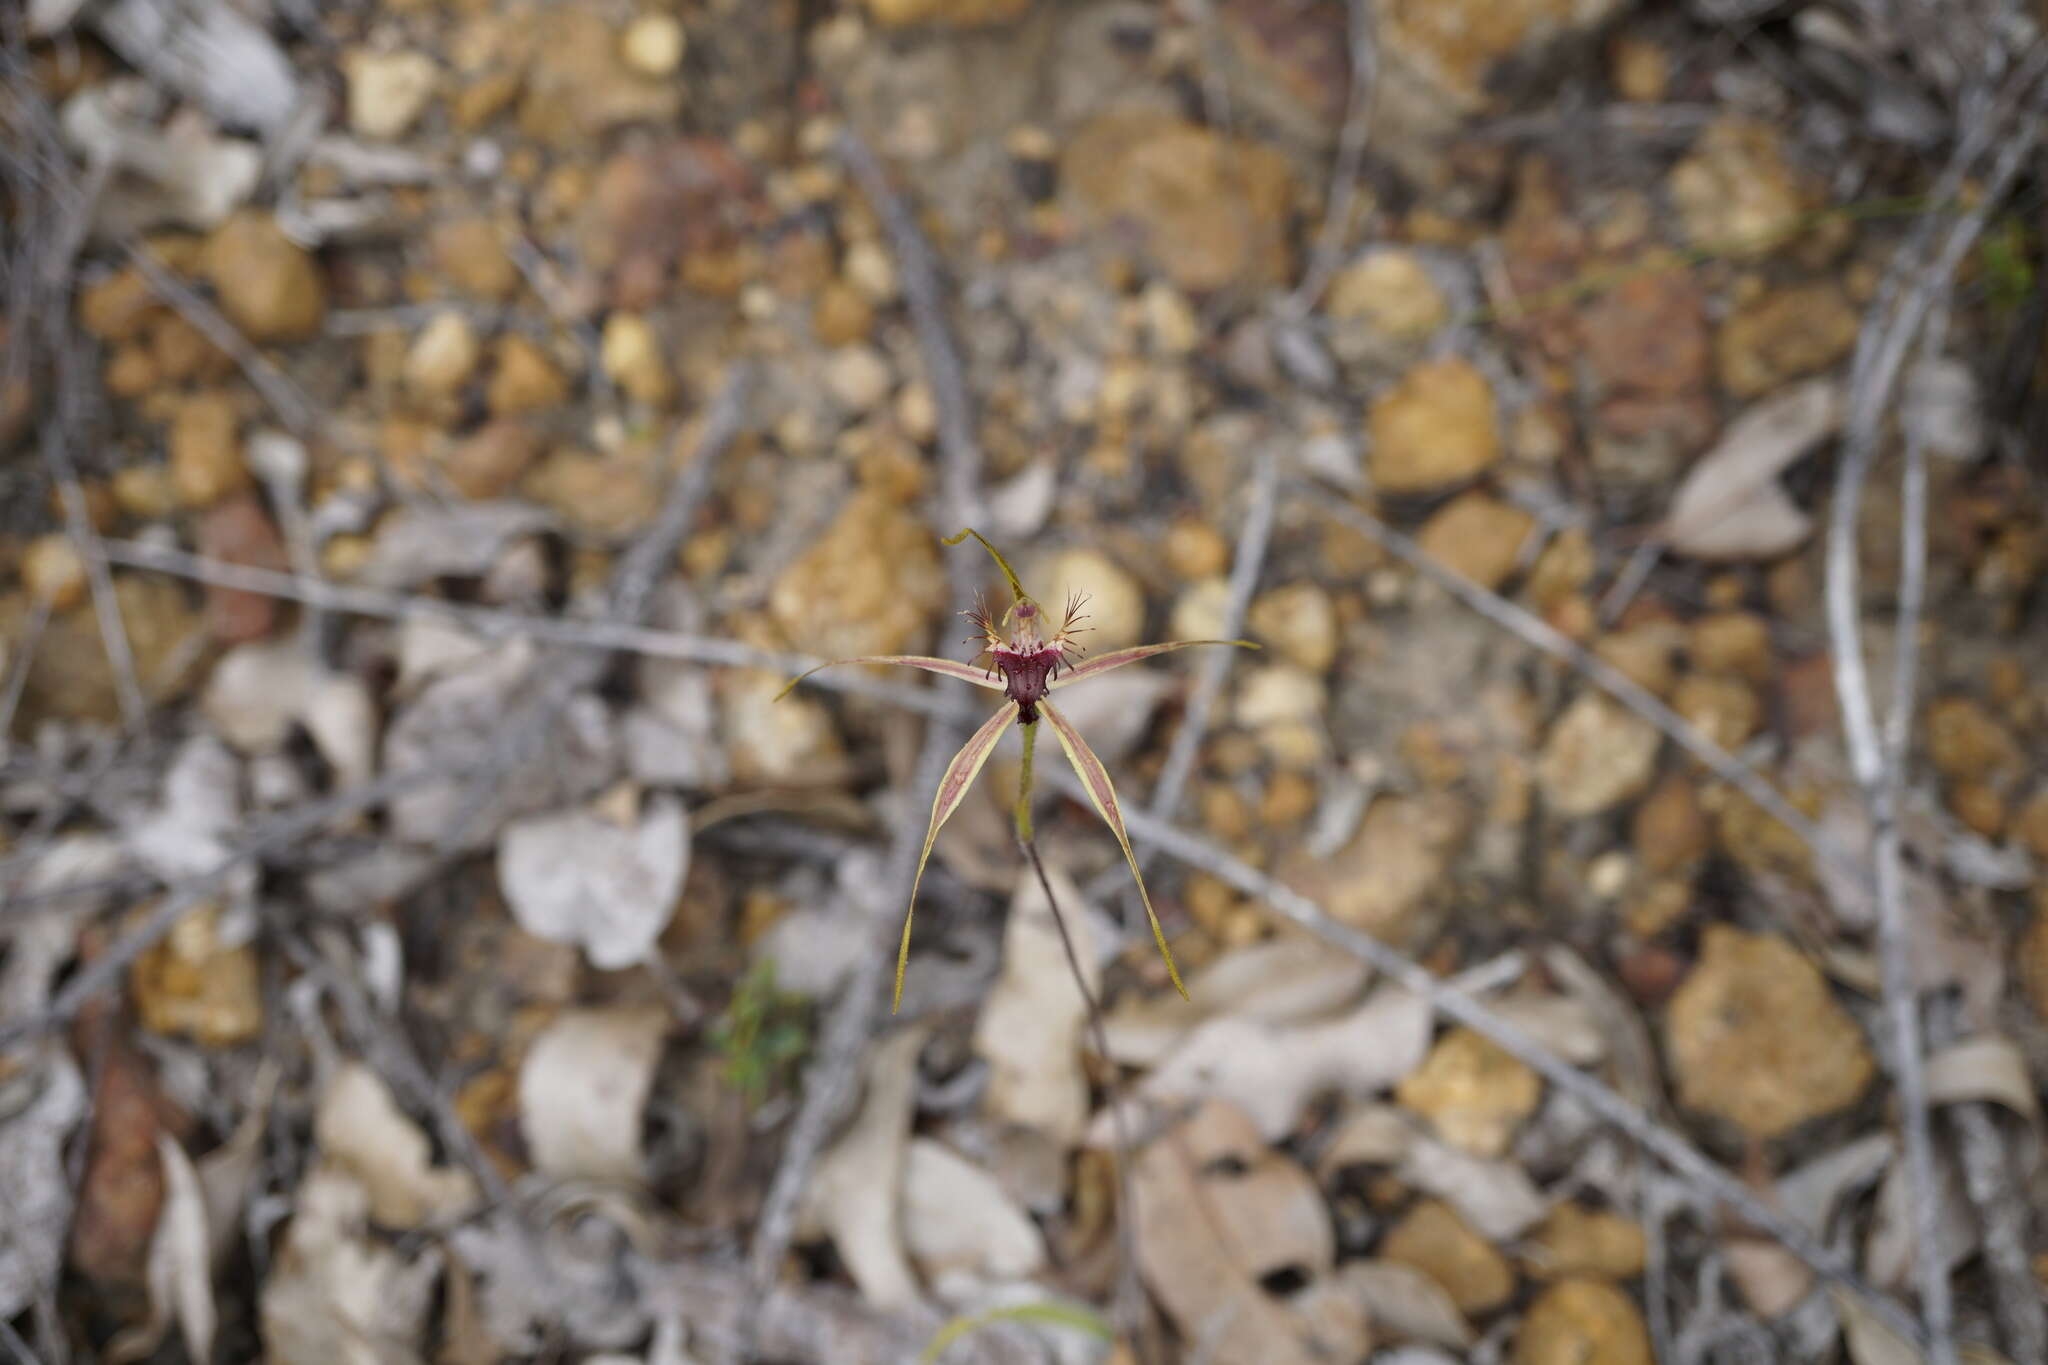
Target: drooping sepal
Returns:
[[960, 775], [1095, 777]]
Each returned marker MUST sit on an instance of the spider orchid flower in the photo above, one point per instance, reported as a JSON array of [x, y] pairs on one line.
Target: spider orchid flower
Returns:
[[1025, 658]]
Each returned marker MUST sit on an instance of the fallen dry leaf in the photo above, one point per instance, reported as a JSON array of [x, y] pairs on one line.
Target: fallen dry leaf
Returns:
[[1987, 1067], [1280, 981], [259, 691], [1566, 1025], [670, 734], [420, 543], [814, 946], [1870, 1340], [1731, 505], [39, 938], [1405, 1304], [458, 719], [1033, 1024], [121, 1197], [961, 1228], [1272, 1071], [854, 1195], [567, 1284], [1890, 1250], [228, 1173], [186, 175], [1497, 1198], [335, 1297], [1772, 1280], [180, 1272], [1020, 504], [42, 1096], [588, 878], [187, 833], [1218, 1212], [1811, 1192], [361, 1129], [583, 1087]]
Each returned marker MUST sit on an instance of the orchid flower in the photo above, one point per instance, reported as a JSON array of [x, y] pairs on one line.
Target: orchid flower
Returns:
[[1025, 661]]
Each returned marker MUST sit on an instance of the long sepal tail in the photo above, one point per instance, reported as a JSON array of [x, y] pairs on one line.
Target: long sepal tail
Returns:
[[952, 668], [1117, 658], [1095, 778], [960, 775]]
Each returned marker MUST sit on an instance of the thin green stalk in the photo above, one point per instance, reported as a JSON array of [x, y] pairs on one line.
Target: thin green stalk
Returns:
[[1129, 1294], [1024, 793]]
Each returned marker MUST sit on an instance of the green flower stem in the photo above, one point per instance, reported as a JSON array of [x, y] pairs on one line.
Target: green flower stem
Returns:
[[1130, 1294], [1024, 785]]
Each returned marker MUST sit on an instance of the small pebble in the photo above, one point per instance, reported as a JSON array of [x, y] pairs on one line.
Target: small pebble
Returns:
[[443, 356], [653, 44], [53, 571], [858, 377], [631, 355], [387, 91]]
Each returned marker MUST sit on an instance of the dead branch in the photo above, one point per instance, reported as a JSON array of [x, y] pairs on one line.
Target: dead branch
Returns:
[[1248, 560], [21, 659], [294, 408], [1917, 279], [800, 1323], [58, 431], [959, 451], [1989, 1181], [56, 212], [1604, 676], [1351, 142], [498, 624]]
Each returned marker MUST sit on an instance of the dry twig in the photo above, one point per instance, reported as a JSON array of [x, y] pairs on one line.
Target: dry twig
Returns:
[[1918, 278], [1246, 564], [1992, 1187], [959, 452], [1351, 141], [54, 214], [20, 659], [496, 623], [1606, 677], [279, 390]]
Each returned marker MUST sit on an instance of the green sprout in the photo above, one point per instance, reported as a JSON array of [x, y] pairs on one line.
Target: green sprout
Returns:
[[1026, 662], [761, 1035], [2004, 256], [1042, 1314]]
